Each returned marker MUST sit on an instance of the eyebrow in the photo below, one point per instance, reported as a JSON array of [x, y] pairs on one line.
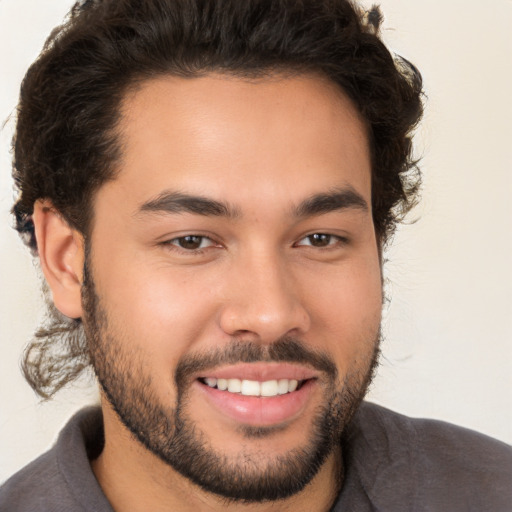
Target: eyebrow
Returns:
[[177, 202], [336, 199]]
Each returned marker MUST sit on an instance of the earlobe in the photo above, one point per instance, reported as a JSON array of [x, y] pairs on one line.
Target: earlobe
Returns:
[[61, 252]]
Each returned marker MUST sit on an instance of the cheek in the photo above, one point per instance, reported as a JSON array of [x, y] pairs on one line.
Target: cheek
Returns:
[[155, 308], [348, 313]]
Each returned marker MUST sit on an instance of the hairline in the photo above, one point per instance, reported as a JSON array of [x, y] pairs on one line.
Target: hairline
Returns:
[[255, 75]]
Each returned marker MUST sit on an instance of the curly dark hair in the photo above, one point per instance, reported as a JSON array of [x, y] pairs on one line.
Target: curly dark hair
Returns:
[[66, 146]]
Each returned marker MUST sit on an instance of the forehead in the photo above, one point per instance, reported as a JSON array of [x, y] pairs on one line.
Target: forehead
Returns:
[[221, 136]]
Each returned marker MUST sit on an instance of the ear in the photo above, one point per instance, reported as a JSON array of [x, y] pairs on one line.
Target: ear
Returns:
[[61, 252]]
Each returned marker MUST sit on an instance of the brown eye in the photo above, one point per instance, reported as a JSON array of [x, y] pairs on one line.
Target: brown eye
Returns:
[[319, 240], [322, 241], [191, 242]]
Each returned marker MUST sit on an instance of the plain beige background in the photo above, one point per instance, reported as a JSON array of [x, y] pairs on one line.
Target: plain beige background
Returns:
[[448, 347]]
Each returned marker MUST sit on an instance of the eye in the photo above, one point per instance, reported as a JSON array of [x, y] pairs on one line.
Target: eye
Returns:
[[191, 242], [321, 240]]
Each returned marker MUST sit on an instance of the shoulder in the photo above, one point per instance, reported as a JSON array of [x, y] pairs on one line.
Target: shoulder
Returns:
[[438, 442], [432, 464], [61, 479], [29, 489]]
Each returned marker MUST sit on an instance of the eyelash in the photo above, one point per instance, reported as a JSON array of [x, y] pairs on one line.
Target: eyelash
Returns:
[[174, 243], [338, 240]]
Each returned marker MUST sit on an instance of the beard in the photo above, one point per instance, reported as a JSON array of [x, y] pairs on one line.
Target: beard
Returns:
[[170, 433]]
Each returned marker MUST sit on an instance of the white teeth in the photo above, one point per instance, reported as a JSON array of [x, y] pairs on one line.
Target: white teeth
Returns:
[[211, 381], [269, 388], [234, 385], [282, 386], [253, 387]]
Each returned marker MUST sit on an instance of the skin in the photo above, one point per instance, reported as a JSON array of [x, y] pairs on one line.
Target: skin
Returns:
[[261, 147]]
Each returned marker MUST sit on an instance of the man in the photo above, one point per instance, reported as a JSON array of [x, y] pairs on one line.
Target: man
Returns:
[[208, 186]]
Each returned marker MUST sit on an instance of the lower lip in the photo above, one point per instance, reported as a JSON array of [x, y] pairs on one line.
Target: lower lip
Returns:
[[259, 411]]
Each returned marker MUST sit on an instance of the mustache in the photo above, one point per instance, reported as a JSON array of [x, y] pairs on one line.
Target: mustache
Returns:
[[284, 350]]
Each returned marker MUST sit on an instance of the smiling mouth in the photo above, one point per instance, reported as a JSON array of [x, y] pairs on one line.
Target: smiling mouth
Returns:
[[268, 388]]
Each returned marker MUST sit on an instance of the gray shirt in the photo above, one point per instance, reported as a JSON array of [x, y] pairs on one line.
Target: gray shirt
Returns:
[[392, 464]]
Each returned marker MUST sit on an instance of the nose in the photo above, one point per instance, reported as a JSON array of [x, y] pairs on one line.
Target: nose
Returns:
[[263, 301]]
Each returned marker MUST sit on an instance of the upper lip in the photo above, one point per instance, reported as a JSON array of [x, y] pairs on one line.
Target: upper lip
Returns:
[[261, 372]]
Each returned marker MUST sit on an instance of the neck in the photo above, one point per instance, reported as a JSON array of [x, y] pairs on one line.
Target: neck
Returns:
[[135, 480]]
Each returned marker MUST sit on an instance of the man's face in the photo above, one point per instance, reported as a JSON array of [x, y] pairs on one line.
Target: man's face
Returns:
[[236, 248]]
